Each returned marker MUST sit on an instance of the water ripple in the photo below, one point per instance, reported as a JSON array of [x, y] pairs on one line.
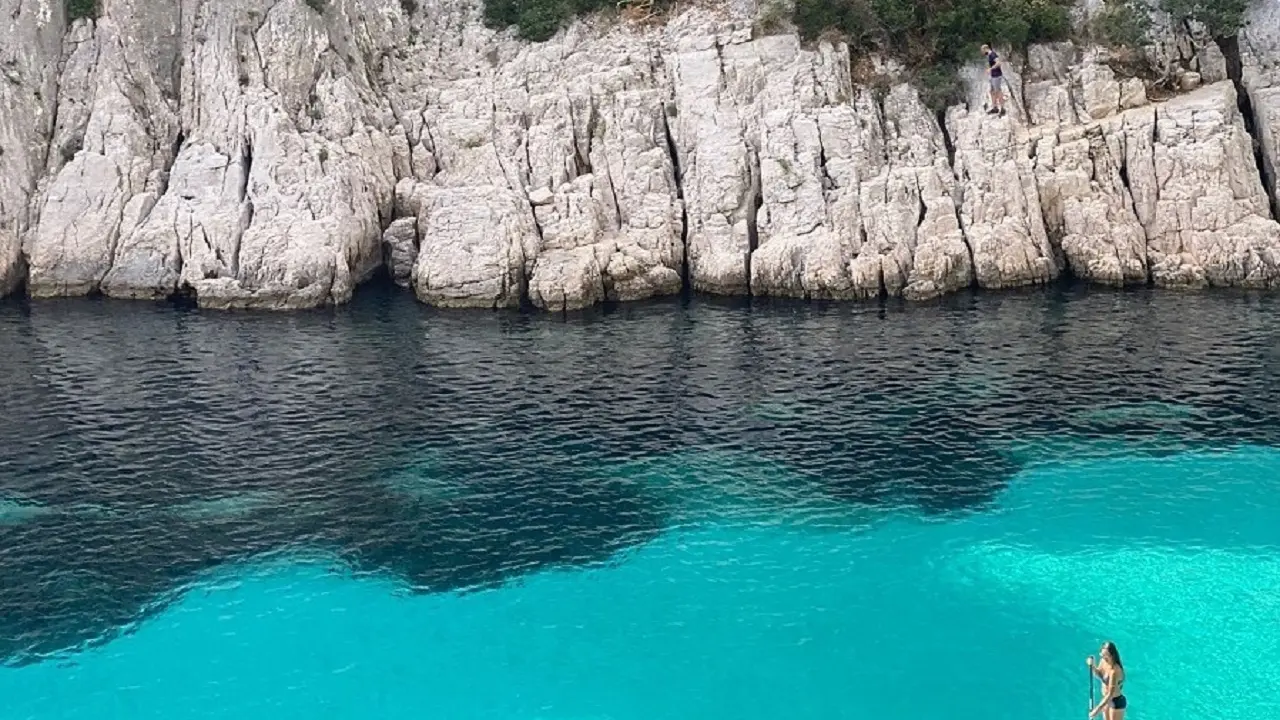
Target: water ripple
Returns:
[[141, 447]]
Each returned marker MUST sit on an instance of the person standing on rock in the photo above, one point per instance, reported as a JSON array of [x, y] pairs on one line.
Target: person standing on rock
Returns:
[[996, 77]]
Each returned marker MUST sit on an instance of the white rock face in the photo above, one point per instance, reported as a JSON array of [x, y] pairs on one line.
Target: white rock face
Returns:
[[1260, 76], [400, 249], [1086, 205], [1000, 213], [113, 148], [1197, 193], [224, 147], [564, 144], [32, 32], [258, 153], [471, 250], [799, 184], [913, 244], [1167, 192]]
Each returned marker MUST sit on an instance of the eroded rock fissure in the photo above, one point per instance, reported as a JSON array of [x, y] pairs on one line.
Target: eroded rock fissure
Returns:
[[685, 285], [582, 156], [957, 194], [1230, 47], [941, 117], [609, 178], [1122, 169], [755, 201], [246, 168]]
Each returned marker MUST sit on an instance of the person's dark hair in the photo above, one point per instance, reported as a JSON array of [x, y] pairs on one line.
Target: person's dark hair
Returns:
[[1114, 655]]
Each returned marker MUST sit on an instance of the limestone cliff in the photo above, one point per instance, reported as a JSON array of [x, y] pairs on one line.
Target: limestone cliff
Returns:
[[266, 153]]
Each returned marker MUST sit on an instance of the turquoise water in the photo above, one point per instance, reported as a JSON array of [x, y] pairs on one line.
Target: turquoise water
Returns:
[[680, 510], [758, 601]]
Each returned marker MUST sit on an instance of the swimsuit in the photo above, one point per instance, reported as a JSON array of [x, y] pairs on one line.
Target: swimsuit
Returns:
[[1118, 702]]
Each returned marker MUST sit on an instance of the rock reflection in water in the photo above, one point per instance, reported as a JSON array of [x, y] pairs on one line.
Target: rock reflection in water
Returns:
[[142, 446]]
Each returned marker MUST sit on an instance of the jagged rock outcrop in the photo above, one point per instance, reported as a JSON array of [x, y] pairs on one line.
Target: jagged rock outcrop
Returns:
[[1197, 193], [230, 148], [799, 184], [114, 138], [29, 60], [1259, 49], [400, 249], [261, 153], [1114, 189], [1000, 212], [1166, 192]]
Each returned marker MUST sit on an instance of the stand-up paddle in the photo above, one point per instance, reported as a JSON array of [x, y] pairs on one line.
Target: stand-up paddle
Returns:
[[1090, 669], [1091, 689]]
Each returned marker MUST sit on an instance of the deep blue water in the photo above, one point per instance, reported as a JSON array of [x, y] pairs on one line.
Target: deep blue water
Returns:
[[681, 510]]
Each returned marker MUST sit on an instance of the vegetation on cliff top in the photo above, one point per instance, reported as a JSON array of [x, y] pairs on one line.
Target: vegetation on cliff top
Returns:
[[924, 31], [77, 9], [932, 38], [930, 32], [1223, 18], [538, 20]]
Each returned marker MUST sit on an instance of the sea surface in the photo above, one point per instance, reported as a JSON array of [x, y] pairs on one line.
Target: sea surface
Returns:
[[687, 510]]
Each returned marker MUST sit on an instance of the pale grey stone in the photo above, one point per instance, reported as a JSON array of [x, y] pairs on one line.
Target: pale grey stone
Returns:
[[260, 154], [400, 249]]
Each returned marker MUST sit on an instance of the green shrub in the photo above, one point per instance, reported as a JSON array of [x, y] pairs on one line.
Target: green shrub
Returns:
[[940, 87], [77, 9], [317, 5], [1121, 24], [853, 19], [1223, 18], [934, 37], [538, 20], [773, 18], [927, 32]]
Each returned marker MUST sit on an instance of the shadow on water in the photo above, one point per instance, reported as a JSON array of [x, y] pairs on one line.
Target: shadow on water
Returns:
[[143, 445]]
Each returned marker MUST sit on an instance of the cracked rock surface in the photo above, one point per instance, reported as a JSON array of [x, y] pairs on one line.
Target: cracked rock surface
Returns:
[[258, 153]]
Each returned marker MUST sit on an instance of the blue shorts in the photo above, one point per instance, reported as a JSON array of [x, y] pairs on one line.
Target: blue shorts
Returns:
[[996, 80]]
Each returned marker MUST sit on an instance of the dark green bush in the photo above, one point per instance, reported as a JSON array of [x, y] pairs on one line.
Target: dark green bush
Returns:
[[927, 32], [853, 19], [77, 9], [317, 5], [1223, 18], [538, 20], [940, 87], [773, 18], [1121, 24], [935, 37]]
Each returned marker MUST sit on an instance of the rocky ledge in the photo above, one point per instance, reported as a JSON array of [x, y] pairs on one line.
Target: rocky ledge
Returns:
[[276, 153]]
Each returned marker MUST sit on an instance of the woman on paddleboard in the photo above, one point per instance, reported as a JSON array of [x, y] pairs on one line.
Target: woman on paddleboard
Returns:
[[1111, 672]]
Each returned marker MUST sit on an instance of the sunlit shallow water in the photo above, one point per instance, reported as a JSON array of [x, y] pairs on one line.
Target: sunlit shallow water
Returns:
[[761, 513]]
